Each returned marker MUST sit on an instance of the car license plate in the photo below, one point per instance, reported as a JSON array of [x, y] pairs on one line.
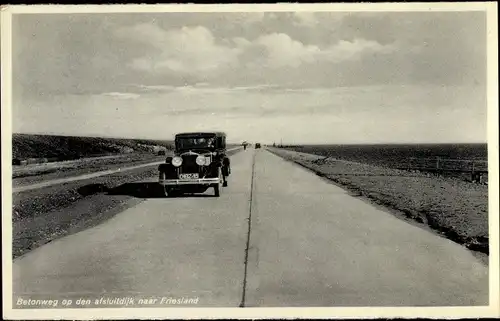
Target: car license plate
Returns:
[[188, 176]]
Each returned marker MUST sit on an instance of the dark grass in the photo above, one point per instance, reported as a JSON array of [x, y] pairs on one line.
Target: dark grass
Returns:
[[26, 146]]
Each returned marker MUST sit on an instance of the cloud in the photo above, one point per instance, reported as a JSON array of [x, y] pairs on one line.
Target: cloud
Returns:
[[284, 51], [188, 50], [119, 95], [147, 33], [195, 51], [96, 54], [280, 50], [263, 74], [334, 115], [305, 18], [252, 17]]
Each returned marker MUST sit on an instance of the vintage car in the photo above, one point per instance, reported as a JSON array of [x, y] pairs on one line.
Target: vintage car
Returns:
[[257, 145], [199, 162]]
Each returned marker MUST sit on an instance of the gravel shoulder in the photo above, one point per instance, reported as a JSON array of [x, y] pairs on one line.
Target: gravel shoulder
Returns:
[[453, 208]]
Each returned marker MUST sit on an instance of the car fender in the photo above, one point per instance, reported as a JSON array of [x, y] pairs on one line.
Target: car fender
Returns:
[[164, 167]]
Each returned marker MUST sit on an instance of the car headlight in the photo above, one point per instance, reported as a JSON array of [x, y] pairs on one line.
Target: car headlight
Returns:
[[200, 160], [177, 161]]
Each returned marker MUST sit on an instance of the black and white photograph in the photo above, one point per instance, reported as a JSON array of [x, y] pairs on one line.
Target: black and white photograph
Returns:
[[163, 160]]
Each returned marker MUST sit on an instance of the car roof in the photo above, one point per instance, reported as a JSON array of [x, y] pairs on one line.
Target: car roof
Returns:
[[190, 134]]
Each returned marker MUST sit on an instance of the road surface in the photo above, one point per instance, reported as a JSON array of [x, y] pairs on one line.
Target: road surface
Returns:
[[309, 244]]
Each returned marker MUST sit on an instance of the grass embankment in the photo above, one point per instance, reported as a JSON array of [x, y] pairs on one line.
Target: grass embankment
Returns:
[[60, 148], [455, 208]]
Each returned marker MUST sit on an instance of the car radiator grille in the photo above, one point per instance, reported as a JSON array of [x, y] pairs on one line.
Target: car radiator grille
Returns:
[[189, 164]]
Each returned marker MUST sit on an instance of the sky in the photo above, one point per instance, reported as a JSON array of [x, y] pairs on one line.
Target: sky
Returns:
[[300, 77]]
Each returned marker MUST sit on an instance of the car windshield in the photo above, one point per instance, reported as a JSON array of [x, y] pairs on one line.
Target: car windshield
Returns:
[[195, 142]]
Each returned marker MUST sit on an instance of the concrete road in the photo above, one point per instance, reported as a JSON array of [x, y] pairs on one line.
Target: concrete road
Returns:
[[310, 244]]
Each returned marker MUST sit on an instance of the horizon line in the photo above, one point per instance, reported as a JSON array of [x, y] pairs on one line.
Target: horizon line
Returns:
[[255, 140]]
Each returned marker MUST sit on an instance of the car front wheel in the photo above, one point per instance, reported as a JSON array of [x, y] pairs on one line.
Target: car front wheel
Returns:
[[217, 187], [171, 192]]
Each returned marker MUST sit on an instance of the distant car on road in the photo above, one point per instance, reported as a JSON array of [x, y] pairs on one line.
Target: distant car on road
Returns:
[[199, 162], [257, 145]]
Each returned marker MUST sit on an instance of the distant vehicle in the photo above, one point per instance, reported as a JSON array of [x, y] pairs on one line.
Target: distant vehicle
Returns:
[[257, 145], [199, 162], [244, 144], [161, 153]]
